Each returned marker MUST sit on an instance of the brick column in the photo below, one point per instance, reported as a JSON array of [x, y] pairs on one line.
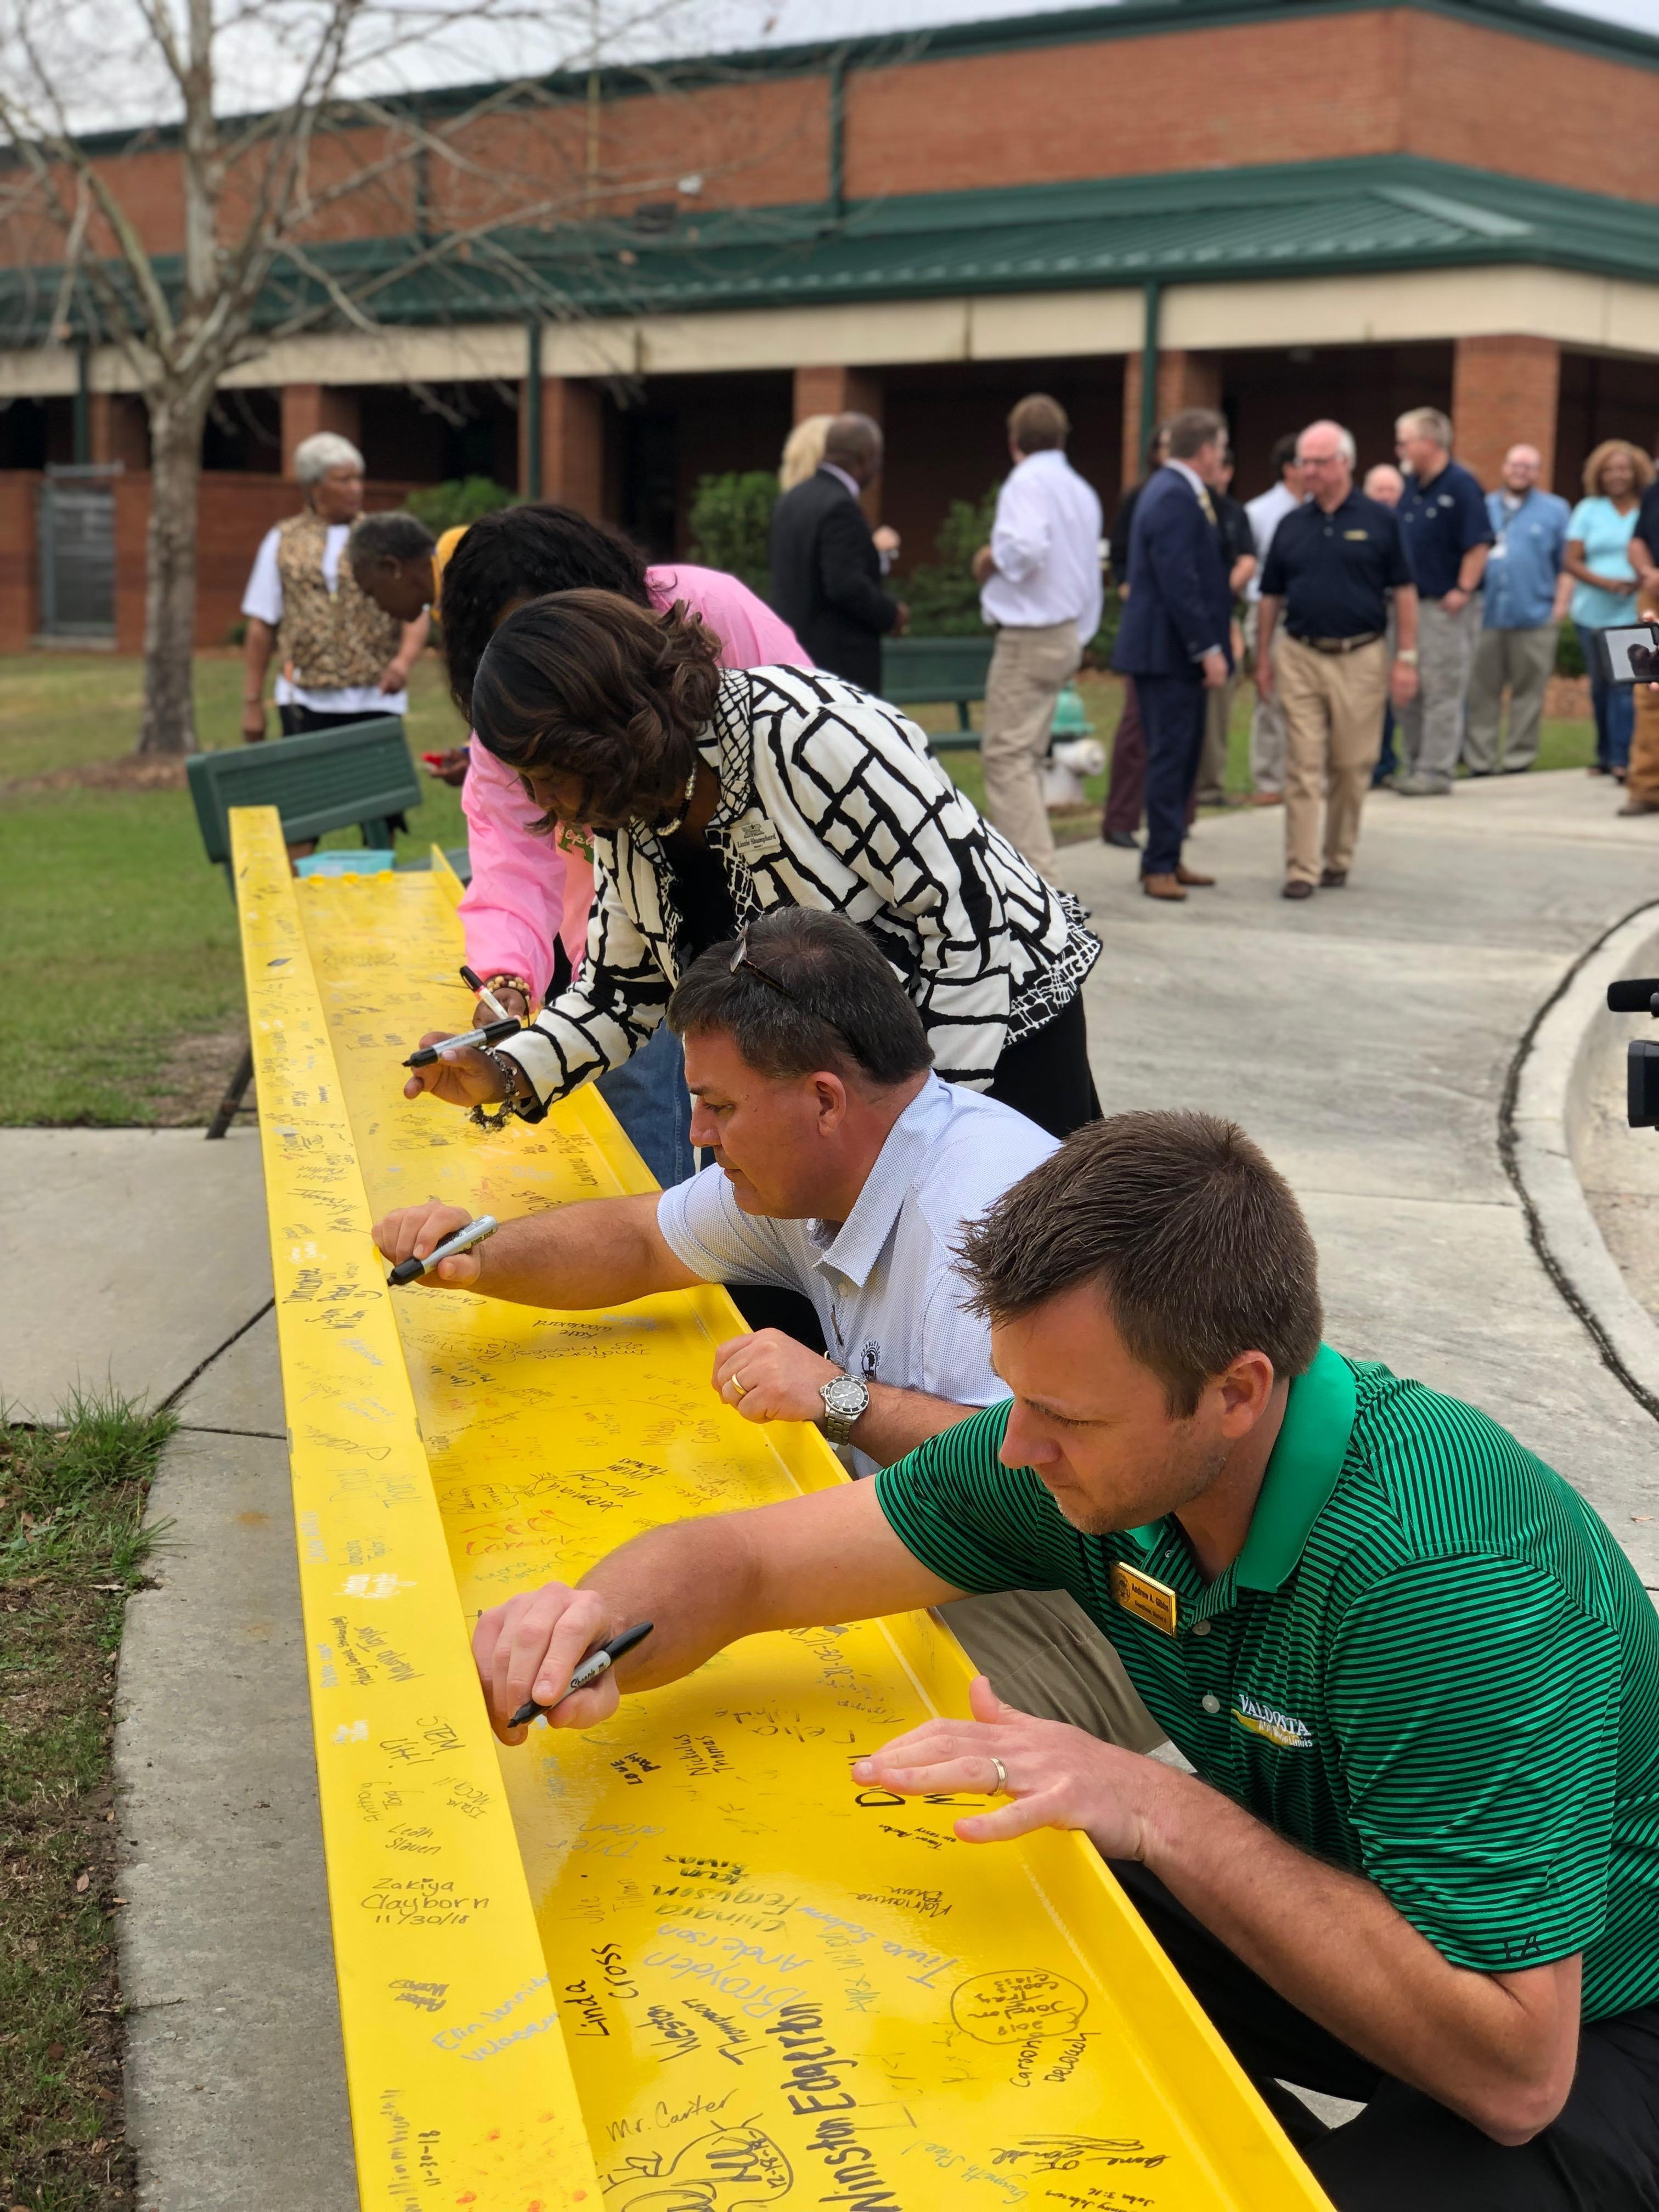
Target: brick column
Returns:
[[837, 392], [1184, 379], [571, 444], [117, 430], [309, 408], [20, 559], [1504, 392]]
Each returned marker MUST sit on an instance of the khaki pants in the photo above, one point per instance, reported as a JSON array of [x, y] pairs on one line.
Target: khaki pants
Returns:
[[1211, 788], [1432, 728], [1043, 1653], [1333, 735], [1029, 668], [1520, 659], [1267, 722]]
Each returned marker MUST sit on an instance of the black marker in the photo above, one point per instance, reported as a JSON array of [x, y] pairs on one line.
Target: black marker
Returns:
[[600, 1661], [491, 1033], [410, 1271], [482, 990]]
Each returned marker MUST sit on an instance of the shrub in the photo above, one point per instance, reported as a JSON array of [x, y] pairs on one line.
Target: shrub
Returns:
[[942, 595], [462, 500], [1569, 654], [731, 515]]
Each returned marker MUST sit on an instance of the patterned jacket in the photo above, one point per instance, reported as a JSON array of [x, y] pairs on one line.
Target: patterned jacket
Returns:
[[829, 799], [337, 640]]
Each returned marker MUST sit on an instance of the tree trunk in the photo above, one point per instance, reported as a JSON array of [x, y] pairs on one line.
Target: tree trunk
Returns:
[[168, 722]]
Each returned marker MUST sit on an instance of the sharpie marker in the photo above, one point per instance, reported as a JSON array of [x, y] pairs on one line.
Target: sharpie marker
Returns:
[[482, 990], [410, 1271], [491, 1033], [598, 1662]]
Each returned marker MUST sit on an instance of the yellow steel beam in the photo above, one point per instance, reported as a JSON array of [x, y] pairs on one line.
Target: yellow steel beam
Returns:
[[773, 1988], [460, 2091]]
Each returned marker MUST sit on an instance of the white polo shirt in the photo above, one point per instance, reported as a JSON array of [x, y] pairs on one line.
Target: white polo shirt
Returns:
[[885, 1283]]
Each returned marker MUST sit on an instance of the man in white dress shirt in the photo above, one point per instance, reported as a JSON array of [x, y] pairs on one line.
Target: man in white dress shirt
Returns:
[[1040, 589], [842, 1168], [340, 657], [1266, 511]]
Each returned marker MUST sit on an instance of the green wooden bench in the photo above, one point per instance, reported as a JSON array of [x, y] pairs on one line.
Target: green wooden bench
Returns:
[[361, 772], [917, 671]]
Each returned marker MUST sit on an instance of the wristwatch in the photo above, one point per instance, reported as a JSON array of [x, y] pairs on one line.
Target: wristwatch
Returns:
[[845, 1398], [1408, 654]]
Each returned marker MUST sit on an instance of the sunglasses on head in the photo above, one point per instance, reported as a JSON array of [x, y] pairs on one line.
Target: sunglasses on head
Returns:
[[742, 962]]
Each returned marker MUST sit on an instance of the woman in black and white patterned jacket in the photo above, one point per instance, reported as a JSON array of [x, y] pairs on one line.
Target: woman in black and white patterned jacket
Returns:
[[711, 795]]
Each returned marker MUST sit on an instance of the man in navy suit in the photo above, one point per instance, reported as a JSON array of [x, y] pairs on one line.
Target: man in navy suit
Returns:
[[1174, 637]]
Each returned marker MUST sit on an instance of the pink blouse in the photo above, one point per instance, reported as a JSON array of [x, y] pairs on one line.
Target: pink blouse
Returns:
[[526, 890]]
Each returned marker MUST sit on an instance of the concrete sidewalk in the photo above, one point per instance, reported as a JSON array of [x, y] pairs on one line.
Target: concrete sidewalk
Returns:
[[147, 1262], [1364, 1038]]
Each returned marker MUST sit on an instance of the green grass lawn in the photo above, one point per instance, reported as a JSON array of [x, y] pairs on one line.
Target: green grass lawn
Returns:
[[72, 1551], [120, 948]]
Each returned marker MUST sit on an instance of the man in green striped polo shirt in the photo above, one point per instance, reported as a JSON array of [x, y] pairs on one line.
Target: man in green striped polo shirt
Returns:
[[1418, 1862]]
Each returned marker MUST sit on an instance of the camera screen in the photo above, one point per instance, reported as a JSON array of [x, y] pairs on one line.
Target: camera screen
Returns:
[[1633, 654]]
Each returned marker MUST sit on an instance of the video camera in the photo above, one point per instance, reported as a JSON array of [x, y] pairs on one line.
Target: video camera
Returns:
[[1640, 995]]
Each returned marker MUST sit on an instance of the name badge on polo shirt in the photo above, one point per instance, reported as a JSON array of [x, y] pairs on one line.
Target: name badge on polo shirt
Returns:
[[1150, 1601], [754, 838], [1362, 536]]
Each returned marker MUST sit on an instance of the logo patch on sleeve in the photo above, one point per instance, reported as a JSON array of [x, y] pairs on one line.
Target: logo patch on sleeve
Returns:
[[1266, 1721]]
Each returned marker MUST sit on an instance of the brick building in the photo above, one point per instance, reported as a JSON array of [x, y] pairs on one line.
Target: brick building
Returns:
[[1286, 207]]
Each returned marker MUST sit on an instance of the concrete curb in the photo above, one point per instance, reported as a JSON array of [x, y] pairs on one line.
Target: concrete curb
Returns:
[[1544, 1109]]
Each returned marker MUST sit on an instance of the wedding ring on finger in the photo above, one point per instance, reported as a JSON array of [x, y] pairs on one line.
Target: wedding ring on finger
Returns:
[[1002, 1789], [736, 1383]]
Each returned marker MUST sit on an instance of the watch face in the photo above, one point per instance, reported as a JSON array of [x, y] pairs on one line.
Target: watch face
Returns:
[[846, 1396]]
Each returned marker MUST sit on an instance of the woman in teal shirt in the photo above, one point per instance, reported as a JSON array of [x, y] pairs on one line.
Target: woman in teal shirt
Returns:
[[1598, 556]]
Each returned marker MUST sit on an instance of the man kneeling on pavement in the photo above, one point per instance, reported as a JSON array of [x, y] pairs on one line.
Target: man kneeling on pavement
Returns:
[[1417, 1862], [844, 1169]]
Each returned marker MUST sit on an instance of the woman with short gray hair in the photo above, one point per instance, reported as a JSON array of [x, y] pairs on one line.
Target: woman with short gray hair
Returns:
[[340, 659]]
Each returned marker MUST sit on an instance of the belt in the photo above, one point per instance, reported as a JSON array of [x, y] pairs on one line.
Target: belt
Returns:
[[1338, 644]]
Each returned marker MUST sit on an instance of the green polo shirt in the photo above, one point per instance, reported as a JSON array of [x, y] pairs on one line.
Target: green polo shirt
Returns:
[[1431, 1662]]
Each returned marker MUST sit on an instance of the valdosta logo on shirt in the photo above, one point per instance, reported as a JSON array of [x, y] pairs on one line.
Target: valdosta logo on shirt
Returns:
[[1290, 1734]]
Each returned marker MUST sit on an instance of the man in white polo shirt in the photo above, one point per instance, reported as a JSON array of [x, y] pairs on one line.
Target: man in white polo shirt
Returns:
[[845, 1169], [1040, 589]]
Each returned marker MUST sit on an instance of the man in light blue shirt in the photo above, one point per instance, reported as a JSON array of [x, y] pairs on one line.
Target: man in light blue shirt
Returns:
[[1517, 646], [845, 1169]]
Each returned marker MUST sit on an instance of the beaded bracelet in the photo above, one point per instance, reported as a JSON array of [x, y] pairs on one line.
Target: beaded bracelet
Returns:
[[505, 982]]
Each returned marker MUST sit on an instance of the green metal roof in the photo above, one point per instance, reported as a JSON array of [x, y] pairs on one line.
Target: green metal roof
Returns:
[[1379, 213]]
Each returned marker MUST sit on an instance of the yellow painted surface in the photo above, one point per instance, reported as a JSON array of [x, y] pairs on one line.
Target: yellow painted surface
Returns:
[[770, 1988]]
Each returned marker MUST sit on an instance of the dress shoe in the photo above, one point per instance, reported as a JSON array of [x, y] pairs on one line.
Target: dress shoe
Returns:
[[1638, 807], [1333, 879], [1267, 799], [1422, 787], [1191, 879], [1164, 887], [1296, 889], [1123, 839]]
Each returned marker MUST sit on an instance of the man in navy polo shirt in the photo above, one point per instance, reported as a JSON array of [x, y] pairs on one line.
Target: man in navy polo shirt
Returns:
[[1446, 532]]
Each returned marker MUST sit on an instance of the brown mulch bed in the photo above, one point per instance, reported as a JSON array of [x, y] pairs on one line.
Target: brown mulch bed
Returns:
[[131, 772], [185, 1091]]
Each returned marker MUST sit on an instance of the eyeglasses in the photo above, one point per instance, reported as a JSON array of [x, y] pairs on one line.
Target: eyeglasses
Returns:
[[744, 963]]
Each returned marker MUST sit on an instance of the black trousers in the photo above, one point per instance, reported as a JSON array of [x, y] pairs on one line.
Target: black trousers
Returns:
[[1172, 712], [1046, 1077], [1405, 2152]]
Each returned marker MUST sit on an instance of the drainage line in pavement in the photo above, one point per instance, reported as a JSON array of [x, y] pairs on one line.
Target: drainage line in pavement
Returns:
[[173, 1396], [1506, 1147]]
